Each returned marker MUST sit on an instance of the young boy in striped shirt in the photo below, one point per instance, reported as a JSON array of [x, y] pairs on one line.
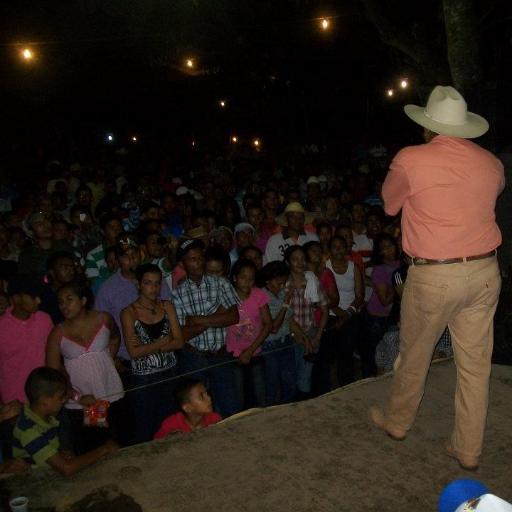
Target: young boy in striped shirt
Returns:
[[36, 435]]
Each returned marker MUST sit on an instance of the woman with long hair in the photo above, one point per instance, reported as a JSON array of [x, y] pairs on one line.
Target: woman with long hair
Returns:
[[83, 347], [152, 333]]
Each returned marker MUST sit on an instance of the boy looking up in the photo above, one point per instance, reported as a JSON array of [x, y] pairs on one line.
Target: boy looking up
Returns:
[[195, 409]]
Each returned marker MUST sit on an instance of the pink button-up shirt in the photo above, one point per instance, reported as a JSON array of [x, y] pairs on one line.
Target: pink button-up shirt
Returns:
[[22, 348], [447, 192]]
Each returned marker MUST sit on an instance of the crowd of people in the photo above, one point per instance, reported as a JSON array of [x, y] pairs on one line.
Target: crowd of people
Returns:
[[172, 302]]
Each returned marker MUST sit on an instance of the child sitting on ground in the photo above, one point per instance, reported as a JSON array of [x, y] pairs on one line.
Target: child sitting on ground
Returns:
[[36, 435], [195, 406]]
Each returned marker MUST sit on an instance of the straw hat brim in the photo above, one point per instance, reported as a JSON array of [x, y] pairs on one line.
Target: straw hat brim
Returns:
[[309, 218], [474, 127]]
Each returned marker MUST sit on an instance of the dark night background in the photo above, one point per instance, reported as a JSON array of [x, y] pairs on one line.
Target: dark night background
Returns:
[[112, 65]]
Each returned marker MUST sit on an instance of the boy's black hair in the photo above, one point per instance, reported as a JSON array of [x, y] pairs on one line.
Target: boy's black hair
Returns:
[[248, 248], [239, 265], [182, 391], [106, 218], [217, 253], [322, 224], [271, 271], [52, 260], [44, 382]]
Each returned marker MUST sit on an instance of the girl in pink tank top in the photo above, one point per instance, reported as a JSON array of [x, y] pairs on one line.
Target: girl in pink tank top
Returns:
[[83, 347]]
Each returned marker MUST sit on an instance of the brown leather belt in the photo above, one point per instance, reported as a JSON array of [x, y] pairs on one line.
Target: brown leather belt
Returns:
[[413, 260], [218, 353]]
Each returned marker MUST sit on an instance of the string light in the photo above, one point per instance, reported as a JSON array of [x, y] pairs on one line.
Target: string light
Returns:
[[110, 137], [404, 83], [222, 103], [256, 143], [189, 63], [134, 138], [390, 92], [234, 139]]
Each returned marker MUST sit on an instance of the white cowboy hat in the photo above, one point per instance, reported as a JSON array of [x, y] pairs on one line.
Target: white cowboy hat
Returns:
[[295, 207], [447, 113]]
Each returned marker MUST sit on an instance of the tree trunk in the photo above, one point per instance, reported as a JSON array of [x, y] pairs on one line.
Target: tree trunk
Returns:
[[463, 48]]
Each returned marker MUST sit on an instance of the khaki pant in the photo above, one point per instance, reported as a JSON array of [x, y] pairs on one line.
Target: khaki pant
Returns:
[[464, 297]]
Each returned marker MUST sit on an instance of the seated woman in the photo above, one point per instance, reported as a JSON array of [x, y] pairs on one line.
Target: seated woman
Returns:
[[152, 333], [83, 346]]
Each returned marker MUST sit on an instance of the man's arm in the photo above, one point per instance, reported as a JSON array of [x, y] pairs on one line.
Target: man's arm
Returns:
[[396, 187], [221, 318]]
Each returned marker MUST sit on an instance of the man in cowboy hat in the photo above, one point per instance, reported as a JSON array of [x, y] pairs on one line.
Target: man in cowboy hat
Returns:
[[292, 220], [447, 190]]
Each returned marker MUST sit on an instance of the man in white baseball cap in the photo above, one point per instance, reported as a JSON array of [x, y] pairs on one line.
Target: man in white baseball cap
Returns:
[[447, 190]]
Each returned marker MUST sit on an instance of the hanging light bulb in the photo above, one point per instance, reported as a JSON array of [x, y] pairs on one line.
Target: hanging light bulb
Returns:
[[325, 24]]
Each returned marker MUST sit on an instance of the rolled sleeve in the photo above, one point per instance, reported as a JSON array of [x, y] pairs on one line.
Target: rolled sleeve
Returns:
[[228, 296], [180, 310], [396, 187]]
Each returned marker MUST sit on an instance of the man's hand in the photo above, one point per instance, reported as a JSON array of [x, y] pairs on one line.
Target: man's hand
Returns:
[[120, 367], [195, 321], [306, 342], [87, 400], [245, 357], [315, 341]]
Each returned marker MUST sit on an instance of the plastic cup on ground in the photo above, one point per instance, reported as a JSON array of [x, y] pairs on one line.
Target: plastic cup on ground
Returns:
[[19, 504]]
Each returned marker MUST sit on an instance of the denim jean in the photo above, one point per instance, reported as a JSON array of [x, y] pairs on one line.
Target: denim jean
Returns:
[[280, 371], [220, 380], [153, 404], [304, 367], [250, 383], [373, 329]]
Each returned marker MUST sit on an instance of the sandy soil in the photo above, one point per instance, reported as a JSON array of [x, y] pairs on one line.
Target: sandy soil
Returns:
[[319, 455]]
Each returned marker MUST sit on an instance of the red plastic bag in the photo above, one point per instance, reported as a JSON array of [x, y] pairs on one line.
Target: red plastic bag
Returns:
[[96, 415]]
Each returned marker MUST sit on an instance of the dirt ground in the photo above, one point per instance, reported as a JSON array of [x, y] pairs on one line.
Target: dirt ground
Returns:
[[319, 455]]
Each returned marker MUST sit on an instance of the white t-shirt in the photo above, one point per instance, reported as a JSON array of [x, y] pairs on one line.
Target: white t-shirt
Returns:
[[345, 284], [277, 245]]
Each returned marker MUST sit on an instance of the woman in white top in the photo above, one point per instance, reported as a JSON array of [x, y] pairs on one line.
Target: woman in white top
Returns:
[[83, 347], [344, 333]]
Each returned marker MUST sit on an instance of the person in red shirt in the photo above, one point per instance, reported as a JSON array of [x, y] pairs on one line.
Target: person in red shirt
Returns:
[[196, 410]]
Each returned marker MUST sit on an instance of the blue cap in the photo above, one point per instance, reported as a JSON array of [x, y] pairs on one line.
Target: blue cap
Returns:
[[458, 492]]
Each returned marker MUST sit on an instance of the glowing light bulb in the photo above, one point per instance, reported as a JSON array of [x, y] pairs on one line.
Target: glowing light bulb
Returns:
[[256, 143], [110, 137], [234, 139], [134, 139], [189, 63], [193, 143], [404, 83], [27, 54], [390, 92], [222, 103], [325, 23]]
